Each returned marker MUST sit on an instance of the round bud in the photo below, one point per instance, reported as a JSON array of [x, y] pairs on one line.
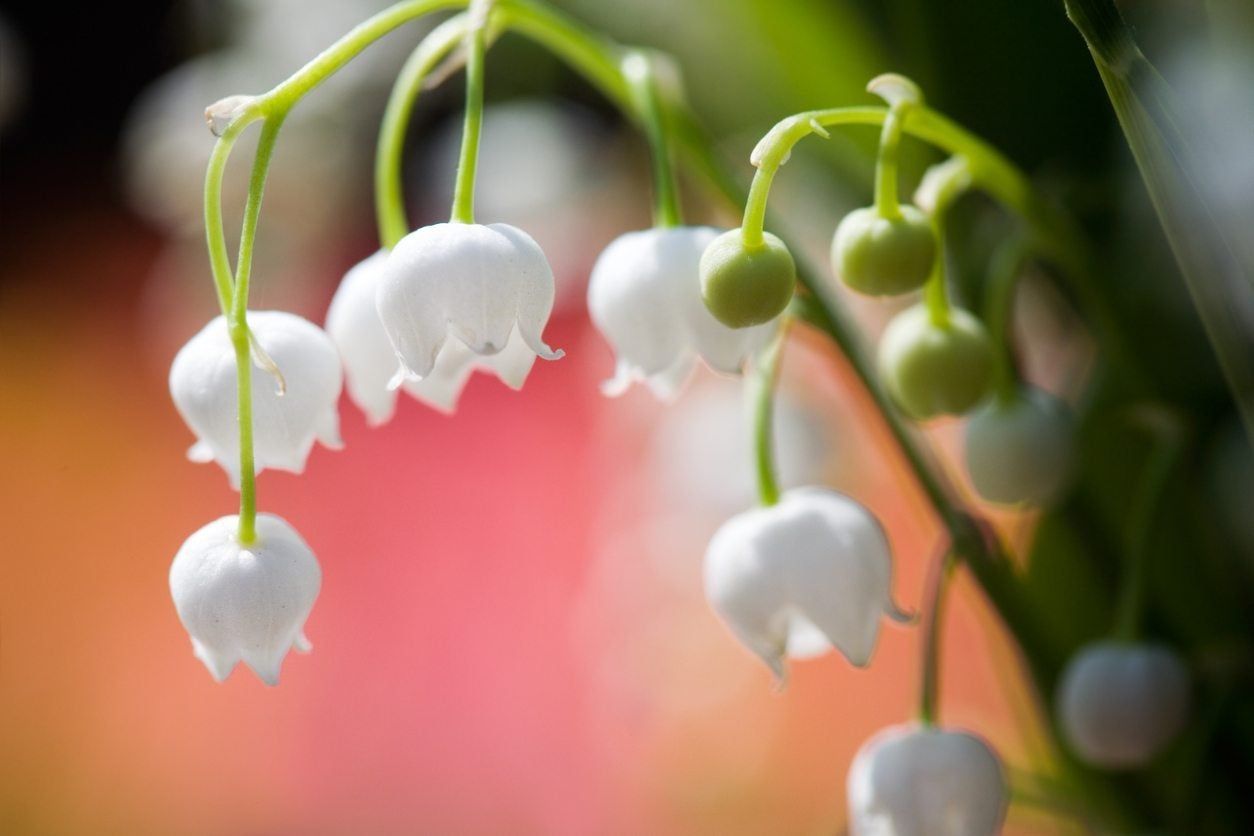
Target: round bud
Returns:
[[744, 286], [932, 369], [882, 256], [1022, 450], [1120, 703]]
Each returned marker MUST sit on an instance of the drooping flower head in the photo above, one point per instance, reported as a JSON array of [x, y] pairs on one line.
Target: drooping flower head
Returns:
[[1120, 703], [286, 420], [245, 602], [920, 781], [370, 362], [800, 577], [479, 284], [645, 298]]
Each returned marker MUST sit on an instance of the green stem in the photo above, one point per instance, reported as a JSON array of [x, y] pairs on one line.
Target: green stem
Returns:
[[935, 296], [929, 690], [886, 201], [638, 71], [464, 191], [389, 189], [215, 235], [240, 332], [1168, 443], [765, 378], [284, 96]]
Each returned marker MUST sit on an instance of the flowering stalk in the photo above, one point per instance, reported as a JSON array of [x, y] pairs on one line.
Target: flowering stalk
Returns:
[[638, 71], [388, 190], [464, 190], [765, 378], [929, 688]]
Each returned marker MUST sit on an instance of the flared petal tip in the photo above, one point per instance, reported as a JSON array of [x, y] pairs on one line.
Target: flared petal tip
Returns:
[[218, 665], [200, 453]]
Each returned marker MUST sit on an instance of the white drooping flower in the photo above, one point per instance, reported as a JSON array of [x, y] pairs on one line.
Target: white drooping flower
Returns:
[[245, 602], [812, 572], [920, 781], [370, 361], [1120, 703], [482, 285], [1022, 450], [288, 416], [645, 298]]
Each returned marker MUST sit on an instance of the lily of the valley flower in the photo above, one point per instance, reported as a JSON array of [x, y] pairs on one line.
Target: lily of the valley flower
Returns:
[[645, 298], [245, 602], [797, 578], [287, 417], [1120, 703], [917, 781], [1021, 450], [478, 284], [371, 364]]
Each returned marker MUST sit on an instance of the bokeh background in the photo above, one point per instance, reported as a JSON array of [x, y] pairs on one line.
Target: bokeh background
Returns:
[[511, 636]]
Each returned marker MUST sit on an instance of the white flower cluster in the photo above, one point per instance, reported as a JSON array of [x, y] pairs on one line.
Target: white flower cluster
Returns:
[[447, 300]]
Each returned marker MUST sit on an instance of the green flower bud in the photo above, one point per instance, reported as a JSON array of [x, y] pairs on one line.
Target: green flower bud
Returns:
[[884, 256], [744, 286], [932, 369]]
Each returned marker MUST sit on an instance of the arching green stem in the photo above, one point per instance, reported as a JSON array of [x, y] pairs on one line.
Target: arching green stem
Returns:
[[886, 200], [933, 613], [464, 190], [1168, 440], [638, 71], [765, 377], [240, 334], [389, 194]]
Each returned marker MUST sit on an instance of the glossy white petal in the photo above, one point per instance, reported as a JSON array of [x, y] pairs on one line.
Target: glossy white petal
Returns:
[[245, 603], [644, 296], [1021, 451], [917, 781], [371, 364], [354, 326], [1119, 703], [203, 384], [470, 282], [815, 562]]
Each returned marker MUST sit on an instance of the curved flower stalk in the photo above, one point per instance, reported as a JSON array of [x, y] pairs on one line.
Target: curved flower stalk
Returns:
[[288, 415], [245, 602], [370, 362], [482, 285], [645, 298], [1121, 703], [810, 573], [924, 781]]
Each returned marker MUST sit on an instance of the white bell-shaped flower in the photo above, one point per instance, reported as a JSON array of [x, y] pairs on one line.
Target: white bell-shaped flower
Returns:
[[921, 781], [371, 364], [475, 283], [645, 298], [245, 602], [812, 572], [288, 415], [1020, 451], [1120, 703]]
